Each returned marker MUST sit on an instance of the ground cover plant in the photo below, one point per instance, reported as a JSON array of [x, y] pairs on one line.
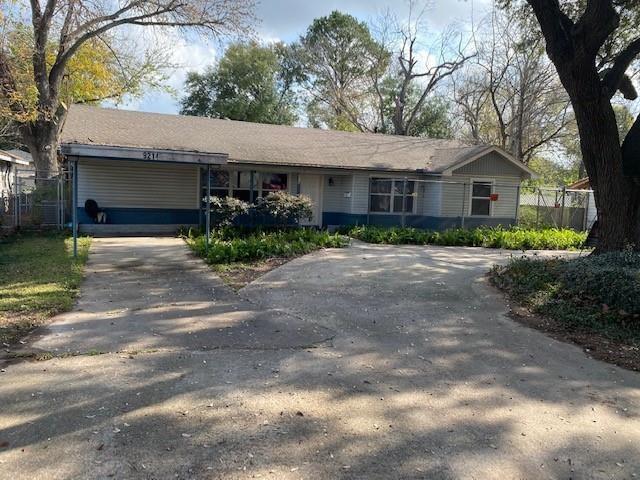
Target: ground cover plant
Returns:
[[514, 238], [38, 278], [594, 294], [236, 244]]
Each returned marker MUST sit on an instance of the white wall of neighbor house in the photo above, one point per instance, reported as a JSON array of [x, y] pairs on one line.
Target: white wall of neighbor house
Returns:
[[126, 184]]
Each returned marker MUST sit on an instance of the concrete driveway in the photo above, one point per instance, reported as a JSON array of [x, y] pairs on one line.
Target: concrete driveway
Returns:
[[367, 362]]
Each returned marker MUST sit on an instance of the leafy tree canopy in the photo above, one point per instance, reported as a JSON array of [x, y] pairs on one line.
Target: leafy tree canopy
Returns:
[[251, 83], [340, 61]]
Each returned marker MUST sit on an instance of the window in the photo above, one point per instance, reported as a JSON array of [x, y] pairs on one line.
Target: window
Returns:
[[481, 198], [237, 184], [387, 196], [242, 186], [273, 182]]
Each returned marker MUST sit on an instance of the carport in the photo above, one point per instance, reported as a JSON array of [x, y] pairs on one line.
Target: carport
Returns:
[[114, 161]]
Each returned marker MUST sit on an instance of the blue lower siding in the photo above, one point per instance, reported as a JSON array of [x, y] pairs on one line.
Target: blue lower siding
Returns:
[[162, 216], [145, 216], [416, 221]]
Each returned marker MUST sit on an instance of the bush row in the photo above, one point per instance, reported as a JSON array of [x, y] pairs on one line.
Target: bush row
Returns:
[[230, 245], [599, 292], [513, 238]]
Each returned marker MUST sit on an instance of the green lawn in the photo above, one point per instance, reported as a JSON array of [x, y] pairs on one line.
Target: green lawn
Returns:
[[38, 278]]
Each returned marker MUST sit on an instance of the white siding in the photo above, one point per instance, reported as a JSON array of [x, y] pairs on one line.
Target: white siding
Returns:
[[360, 194], [124, 184], [334, 199], [429, 199], [454, 194], [492, 164]]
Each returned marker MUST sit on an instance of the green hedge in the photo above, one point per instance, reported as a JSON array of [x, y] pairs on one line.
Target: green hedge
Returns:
[[230, 245], [598, 292], [513, 238]]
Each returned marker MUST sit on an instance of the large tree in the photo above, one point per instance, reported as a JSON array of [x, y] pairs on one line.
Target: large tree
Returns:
[[251, 83], [509, 94], [419, 72], [341, 62], [60, 29], [593, 44]]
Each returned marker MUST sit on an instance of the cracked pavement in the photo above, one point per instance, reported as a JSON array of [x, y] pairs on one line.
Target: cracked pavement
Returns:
[[367, 362]]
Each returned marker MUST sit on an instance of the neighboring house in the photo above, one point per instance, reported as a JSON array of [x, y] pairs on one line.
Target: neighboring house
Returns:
[[12, 163], [148, 172]]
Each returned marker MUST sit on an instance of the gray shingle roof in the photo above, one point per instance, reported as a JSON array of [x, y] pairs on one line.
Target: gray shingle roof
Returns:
[[256, 143]]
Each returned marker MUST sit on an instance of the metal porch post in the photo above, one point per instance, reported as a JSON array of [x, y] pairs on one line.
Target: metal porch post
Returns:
[[404, 200], [208, 219], [74, 224]]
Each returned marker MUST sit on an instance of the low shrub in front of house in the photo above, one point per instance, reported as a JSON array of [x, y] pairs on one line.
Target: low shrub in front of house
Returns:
[[229, 245], [595, 292], [513, 238], [277, 209]]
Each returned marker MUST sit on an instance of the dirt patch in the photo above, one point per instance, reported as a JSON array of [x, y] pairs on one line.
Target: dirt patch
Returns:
[[594, 344], [15, 326], [238, 275]]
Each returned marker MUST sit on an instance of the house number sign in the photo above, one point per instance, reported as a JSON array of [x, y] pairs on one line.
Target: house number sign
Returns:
[[150, 155]]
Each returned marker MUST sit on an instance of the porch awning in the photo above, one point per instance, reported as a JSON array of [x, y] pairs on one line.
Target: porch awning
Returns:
[[142, 154]]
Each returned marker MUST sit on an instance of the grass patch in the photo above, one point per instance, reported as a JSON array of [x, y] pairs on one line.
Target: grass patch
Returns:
[[38, 278], [514, 238], [237, 245], [598, 294]]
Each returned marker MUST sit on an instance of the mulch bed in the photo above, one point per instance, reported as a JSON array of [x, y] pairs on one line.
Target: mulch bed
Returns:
[[238, 275], [594, 344]]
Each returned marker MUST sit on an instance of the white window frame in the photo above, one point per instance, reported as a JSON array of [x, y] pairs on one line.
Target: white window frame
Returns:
[[492, 182], [392, 195]]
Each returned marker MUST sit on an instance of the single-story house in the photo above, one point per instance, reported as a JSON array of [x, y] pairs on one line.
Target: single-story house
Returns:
[[148, 171]]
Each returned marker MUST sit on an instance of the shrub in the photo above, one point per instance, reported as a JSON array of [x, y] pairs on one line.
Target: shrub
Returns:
[[514, 238], [284, 208], [224, 210], [242, 245], [596, 292]]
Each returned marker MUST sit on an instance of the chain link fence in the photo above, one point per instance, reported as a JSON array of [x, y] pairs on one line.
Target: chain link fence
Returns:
[[42, 204], [557, 207]]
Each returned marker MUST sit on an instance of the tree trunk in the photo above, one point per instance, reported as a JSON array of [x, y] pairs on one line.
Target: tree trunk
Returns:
[[42, 136], [617, 197]]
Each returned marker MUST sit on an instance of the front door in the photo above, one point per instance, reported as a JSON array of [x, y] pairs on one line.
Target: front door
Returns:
[[311, 186]]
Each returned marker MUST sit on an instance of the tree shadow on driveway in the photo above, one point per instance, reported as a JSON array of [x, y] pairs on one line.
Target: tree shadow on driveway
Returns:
[[425, 378]]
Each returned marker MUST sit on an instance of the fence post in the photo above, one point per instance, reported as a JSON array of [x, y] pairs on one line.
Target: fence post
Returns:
[[15, 198], [518, 205], [208, 219], [538, 210], [564, 195], [404, 200], [464, 201], [75, 208]]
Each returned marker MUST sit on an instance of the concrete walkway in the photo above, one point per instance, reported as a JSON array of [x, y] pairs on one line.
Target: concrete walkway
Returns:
[[368, 362]]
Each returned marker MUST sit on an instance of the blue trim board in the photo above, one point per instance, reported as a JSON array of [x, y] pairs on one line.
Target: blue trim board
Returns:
[[145, 216], [172, 216], [416, 221]]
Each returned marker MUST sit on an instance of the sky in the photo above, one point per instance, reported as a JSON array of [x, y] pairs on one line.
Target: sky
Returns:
[[286, 20]]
